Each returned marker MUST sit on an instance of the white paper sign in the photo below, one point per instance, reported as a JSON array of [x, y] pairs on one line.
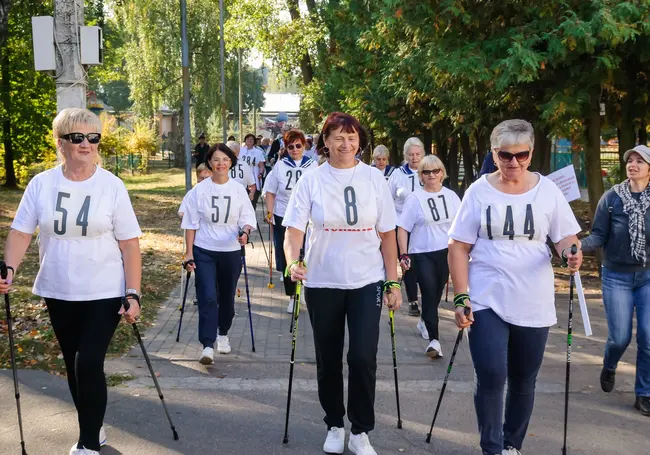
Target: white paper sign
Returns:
[[583, 304], [567, 181]]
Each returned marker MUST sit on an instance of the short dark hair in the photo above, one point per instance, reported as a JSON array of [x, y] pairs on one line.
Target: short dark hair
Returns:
[[231, 138], [249, 135], [349, 124], [222, 148], [293, 135]]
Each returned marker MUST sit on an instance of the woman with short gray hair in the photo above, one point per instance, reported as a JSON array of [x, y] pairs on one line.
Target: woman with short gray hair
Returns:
[[380, 160], [498, 253], [404, 181]]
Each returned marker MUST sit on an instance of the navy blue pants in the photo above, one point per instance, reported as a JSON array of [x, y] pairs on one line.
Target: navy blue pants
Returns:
[[499, 351], [216, 278], [280, 260]]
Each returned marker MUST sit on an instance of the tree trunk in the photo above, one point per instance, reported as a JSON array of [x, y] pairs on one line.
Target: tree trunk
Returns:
[[5, 97], [592, 151], [626, 131], [305, 61], [321, 47], [394, 153], [541, 161], [452, 167], [643, 133], [468, 165]]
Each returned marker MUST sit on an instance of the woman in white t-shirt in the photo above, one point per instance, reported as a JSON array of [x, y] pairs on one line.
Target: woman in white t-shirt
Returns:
[[381, 160], [255, 158], [426, 216], [403, 181], [502, 226], [89, 261], [218, 220], [349, 265], [241, 172], [277, 190]]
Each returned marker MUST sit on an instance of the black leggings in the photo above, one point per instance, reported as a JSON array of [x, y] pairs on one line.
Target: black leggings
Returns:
[[84, 330], [328, 311], [280, 261], [409, 278], [432, 271]]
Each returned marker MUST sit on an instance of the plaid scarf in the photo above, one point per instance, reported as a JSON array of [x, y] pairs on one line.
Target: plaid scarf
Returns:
[[635, 210]]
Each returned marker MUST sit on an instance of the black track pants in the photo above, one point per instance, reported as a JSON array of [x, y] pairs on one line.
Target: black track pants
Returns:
[[432, 271]]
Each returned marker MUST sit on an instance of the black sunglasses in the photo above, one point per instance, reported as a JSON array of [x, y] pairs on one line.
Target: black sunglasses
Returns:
[[78, 138], [431, 171], [506, 157], [297, 146]]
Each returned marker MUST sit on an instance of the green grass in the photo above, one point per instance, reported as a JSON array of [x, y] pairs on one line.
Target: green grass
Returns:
[[156, 198]]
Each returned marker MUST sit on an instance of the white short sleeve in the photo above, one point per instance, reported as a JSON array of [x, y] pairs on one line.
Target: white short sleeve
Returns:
[[191, 213], [564, 223], [467, 222], [386, 216], [247, 213], [271, 183], [409, 216], [248, 176], [26, 218], [183, 208], [260, 156], [125, 223], [299, 207]]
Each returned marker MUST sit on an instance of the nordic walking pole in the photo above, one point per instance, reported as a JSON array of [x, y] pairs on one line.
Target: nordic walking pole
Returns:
[[391, 318], [262, 239], [248, 296], [574, 250], [296, 313], [444, 383], [127, 305], [447, 291], [270, 285], [187, 282], [3, 274]]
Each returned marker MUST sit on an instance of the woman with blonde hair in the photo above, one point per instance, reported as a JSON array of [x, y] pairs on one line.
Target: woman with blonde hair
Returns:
[[89, 261], [380, 160], [426, 216]]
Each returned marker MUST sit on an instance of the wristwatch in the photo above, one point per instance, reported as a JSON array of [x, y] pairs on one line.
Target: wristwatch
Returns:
[[132, 291]]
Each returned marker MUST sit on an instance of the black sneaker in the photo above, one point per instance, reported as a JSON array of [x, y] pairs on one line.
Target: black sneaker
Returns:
[[607, 380], [642, 404], [413, 309]]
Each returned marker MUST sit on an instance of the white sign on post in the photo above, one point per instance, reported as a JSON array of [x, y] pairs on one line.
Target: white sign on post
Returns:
[[567, 181]]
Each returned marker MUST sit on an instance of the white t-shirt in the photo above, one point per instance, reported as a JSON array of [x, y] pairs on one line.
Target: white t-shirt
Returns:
[[253, 157], [510, 264], [217, 213], [348, 209], [283, 179], [402, 182], [428, 216], [241, 173], [80, 224], [183, 208]]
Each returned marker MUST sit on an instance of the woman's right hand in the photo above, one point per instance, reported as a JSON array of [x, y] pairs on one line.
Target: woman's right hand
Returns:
[[463, 320], [5, 284], [298, 272], [189, 264], [405, 264], [269, 217]]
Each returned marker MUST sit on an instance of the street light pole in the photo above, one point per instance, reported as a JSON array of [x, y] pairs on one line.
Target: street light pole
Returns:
[[223, 76], [186, 97]]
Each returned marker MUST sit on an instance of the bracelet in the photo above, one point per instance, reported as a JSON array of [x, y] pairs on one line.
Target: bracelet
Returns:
[[460, 299], [390, 284]]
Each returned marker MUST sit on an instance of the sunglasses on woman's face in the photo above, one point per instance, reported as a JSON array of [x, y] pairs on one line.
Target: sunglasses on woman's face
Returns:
[[78, 138], [432, 171], [506, 157], [297, 146]]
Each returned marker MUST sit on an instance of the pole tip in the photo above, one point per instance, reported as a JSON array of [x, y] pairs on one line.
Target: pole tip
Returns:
[[429, 438], [285, 440], [399, 424], [175, 434], [271, 285]]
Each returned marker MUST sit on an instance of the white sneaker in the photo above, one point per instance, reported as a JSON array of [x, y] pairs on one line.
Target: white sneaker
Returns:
[[335, 442], [360, 444], [290, 306], [423, 329], [207, 356], [75, 451], [223, 344], [434, 350], [102, 437], [510, 451]]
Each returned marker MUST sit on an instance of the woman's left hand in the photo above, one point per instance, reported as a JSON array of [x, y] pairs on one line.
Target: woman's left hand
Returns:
[[133, 314], [393, 299], [243, 239], [574, 261]]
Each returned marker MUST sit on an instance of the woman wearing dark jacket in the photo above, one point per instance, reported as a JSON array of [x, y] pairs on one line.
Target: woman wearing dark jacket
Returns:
[[622, 227]]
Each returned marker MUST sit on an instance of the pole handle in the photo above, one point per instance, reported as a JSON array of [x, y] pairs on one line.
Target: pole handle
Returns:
[[3, 270]]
